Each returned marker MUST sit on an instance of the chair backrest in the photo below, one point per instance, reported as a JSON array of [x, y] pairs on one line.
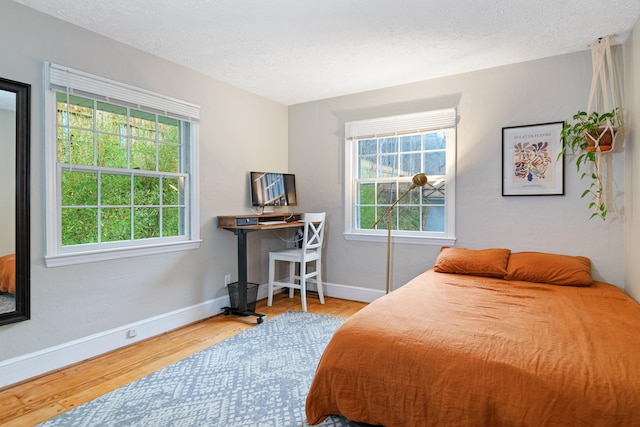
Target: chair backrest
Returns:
[[313, 231]]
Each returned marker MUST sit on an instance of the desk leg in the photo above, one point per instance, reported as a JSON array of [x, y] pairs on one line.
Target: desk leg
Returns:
[[242, 270], [241, 309]]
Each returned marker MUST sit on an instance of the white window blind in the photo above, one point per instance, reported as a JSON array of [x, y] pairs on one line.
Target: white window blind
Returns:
[[64, 79], [400, 125]]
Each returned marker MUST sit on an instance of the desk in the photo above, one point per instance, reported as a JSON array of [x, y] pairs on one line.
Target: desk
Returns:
[[241, 225]]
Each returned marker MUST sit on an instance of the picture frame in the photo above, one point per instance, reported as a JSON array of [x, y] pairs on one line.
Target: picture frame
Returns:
[[530, 163]]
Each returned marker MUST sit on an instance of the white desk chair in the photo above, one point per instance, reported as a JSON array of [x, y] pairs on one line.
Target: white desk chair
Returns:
[[310, 251]]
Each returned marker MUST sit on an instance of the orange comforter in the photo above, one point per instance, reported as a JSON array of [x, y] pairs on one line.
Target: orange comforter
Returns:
[[453, 350], [8, 273]]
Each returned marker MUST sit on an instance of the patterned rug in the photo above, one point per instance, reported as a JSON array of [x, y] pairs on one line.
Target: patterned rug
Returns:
[[260, 377], [7, 302]]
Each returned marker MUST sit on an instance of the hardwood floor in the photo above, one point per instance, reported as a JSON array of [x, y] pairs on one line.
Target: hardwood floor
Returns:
[[40, 399]]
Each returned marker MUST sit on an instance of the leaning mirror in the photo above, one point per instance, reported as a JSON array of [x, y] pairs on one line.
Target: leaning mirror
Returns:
[[14, 201]]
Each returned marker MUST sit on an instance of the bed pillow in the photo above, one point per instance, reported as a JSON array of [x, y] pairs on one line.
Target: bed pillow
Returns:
[[480, 262], [555, 269]]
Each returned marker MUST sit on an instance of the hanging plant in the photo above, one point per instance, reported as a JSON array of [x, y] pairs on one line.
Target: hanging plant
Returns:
[[588, 137], [595, 133]]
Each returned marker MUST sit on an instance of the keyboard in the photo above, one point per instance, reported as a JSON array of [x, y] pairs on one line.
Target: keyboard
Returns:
[[272, 222]]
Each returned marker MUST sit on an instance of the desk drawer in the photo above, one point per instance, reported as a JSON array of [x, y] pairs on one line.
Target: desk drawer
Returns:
[[246, 221]]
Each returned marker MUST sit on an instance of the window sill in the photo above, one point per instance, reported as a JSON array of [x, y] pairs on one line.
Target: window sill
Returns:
[[416, 240], [73, 258]]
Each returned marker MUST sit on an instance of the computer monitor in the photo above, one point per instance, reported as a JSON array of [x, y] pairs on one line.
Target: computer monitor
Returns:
[[273, 189]]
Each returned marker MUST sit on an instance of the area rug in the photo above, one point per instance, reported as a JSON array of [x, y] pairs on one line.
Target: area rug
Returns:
[[260, 377], [7, 303]]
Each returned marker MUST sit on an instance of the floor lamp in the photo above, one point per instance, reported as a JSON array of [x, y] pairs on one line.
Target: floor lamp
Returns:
[[419, 180]]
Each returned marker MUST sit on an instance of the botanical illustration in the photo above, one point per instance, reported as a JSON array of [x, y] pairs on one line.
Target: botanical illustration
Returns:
[[531, 160]]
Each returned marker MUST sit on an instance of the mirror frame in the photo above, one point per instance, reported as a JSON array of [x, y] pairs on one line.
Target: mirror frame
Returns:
[[23, 242]]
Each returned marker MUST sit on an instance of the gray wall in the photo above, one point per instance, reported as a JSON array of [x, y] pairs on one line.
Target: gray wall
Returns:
[[541, 91], [239, 131], [8, 181], [632, 154]]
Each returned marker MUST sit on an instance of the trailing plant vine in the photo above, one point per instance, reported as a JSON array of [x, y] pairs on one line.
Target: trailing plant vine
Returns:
[[585, 138]]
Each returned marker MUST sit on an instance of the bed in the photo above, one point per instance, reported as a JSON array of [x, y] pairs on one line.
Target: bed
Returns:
[[8, 273], [487, 338]]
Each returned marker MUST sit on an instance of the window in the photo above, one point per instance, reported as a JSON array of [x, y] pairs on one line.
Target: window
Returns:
[[382, 156], [121, 162]]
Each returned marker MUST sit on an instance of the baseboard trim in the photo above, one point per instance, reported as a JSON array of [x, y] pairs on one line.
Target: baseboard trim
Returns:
[[351, 293], [34, 364]]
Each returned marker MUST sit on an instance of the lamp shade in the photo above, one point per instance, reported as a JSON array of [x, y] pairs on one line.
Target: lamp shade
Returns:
[[420, 180]]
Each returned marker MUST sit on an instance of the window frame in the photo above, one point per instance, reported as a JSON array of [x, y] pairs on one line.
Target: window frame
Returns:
[[125, 95], [416, 123]]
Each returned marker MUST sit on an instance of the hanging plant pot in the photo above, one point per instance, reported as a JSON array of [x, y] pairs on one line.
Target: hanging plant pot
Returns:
[[604, 137]]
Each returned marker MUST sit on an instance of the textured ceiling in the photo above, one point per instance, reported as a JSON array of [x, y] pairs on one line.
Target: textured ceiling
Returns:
[[294, 51]]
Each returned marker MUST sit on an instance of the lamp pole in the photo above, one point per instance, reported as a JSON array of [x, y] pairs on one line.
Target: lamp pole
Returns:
[[419, 180]]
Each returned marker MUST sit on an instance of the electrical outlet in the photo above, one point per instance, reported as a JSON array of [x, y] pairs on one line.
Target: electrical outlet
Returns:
[[132, 333], [227, 279]]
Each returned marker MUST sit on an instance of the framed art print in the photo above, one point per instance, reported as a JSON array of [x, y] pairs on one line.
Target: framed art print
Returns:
[[530, 163]]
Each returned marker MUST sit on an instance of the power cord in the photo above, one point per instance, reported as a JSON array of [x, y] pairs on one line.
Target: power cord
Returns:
[[297, 239]]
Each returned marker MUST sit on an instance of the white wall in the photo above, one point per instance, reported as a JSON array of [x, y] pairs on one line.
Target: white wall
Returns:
[[541, 91], [632, 199], [239, 131]]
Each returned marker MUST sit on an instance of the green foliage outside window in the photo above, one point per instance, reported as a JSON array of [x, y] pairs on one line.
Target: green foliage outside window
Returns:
[[385, 168], [120, 171]]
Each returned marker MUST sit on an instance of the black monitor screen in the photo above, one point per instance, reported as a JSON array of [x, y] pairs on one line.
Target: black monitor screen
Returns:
[[273, 189]]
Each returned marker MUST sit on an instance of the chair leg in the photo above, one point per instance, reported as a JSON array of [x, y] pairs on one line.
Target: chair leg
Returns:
[[292, 272], [303, 285], [272, 268], [319, 281]]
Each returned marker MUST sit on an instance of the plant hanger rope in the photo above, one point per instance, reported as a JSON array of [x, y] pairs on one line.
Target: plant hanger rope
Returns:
[[595, 130], [602, 91], [604, 80]]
